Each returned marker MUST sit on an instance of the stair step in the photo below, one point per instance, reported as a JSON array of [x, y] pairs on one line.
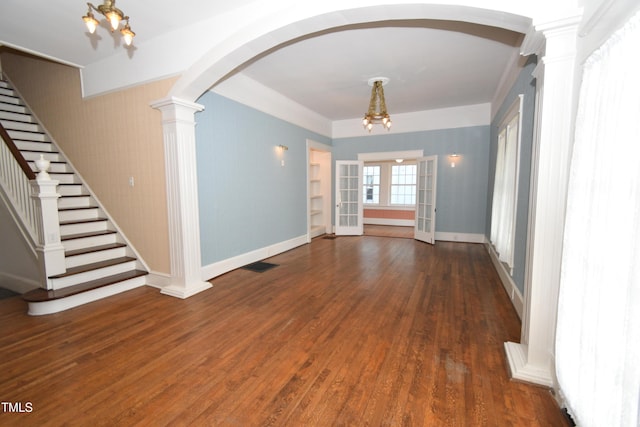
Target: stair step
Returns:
[[94, 254], [93, 271], [81, 213], [16, 116], [83, 251], [74, 201], [24, 135], [14, 108], [10, 99], [64, 177], [82, 221], [14, 125], [5, 90], [85, 235], [94, 266], [89, 225], [54, 167], [84, 240], [73, 189], [35, 155], [41, 295], [35, 146]]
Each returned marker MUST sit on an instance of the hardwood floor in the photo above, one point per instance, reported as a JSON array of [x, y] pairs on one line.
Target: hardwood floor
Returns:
[[356, 331], [388, 231]]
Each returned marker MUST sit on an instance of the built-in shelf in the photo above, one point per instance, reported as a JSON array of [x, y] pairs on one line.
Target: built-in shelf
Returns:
[[316, 200]]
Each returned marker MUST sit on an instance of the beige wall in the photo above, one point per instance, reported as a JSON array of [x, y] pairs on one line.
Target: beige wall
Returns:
[[108, 139]]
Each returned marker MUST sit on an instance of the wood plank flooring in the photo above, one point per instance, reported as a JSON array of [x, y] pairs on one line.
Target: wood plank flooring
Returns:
[[355, 331], [388, 231]]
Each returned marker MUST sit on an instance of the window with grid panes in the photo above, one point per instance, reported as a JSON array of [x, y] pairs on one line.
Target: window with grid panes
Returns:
[[403, 185], [371, 183]]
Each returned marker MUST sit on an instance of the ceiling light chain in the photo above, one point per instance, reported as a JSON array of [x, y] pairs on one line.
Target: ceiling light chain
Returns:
[[377, 112], [114, 15]]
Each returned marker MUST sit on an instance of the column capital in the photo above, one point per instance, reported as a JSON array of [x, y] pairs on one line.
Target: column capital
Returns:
[[173, 108]]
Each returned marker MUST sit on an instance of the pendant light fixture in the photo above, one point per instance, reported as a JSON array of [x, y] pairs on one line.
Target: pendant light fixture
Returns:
[[377, 112], [113, 15]]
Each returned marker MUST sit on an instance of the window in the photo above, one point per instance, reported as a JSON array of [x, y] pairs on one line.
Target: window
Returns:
[[505, 186], [371, 182], [403, 185], [387, 183]]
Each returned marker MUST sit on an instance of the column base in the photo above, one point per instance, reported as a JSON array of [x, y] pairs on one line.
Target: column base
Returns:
[[522, 370], [185, 291]]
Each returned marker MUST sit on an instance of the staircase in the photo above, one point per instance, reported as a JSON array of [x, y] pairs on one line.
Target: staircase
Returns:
[[98, 260]]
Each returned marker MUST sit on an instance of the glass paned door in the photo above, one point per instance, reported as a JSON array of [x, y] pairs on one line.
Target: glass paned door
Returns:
[[349, 197], [425, 228]]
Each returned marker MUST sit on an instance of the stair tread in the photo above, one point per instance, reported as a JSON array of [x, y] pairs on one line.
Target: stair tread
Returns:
[[93, 266], [83, 235], [79, 208], [92, 249], [43, 295], [82, 221]]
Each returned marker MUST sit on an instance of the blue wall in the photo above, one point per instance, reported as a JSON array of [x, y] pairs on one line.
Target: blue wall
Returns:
[[461, 196], [247, 200], [525, 84]]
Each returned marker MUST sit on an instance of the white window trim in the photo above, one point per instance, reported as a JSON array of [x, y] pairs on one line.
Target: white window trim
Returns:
[[515, 108]]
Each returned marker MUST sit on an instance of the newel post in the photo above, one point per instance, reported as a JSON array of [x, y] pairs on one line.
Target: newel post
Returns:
[[178, 124], [44, 191]]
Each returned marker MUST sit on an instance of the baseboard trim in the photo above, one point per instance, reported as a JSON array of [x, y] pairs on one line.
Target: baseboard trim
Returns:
[[218, 268], [184, 292], [18, 284], [460, 237], [507, 282], [158, 280]]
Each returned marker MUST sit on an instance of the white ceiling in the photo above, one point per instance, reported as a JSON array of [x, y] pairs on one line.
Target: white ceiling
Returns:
[[430, 64]]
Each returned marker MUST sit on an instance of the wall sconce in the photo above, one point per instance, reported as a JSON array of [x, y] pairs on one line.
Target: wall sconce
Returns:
[[453, 159], [399, 160], [281, 149]]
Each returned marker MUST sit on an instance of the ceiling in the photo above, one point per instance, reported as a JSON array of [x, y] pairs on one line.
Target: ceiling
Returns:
[[431, 64]]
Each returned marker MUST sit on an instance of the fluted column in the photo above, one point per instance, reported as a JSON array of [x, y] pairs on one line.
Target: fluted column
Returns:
[[533, 359], [178, 125]]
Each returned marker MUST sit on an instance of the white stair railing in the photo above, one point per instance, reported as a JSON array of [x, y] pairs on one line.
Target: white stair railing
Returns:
[[33, 202]]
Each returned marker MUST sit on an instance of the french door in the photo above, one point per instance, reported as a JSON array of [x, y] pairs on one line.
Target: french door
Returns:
[[425, 222], [349, 198]]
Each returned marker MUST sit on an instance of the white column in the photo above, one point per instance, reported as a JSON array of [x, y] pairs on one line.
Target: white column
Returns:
[[533, 359], [178, 125]]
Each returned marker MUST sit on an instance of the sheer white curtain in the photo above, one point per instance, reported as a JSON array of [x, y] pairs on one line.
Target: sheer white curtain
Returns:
[[505, 190], [598, 330]]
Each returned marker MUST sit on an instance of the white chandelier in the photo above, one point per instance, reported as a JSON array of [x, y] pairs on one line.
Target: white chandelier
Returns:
[[377, 112], [114, 15]]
